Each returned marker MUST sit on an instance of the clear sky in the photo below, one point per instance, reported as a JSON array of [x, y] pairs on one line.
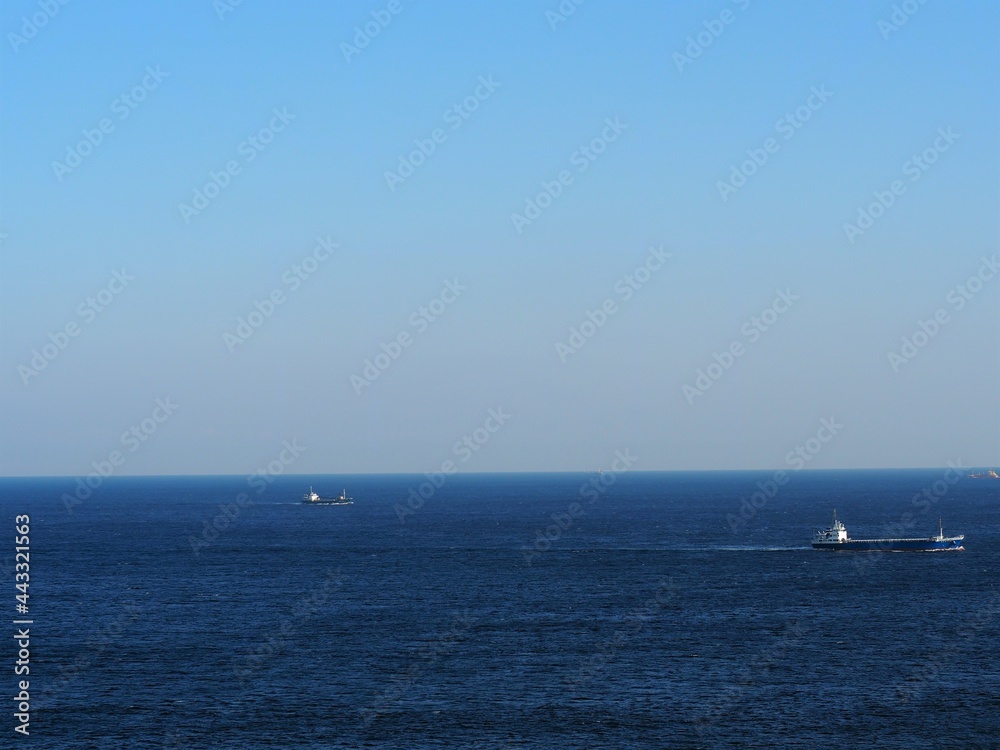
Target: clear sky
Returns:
[[742, 139]]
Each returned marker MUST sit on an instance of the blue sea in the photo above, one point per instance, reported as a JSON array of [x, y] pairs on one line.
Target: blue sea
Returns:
[[513, 611]]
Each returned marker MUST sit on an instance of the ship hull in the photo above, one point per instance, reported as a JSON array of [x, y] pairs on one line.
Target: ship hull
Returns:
[[948, 544]]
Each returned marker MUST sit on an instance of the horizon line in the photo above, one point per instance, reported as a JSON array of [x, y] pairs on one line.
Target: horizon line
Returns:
[[494, 473]]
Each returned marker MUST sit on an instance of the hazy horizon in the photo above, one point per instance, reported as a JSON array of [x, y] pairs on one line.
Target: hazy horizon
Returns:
[[419, 473]]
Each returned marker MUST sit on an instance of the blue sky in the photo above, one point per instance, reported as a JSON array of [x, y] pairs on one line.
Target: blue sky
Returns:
[[864, 99]]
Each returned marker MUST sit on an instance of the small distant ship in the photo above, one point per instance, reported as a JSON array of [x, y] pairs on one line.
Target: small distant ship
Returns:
[[835, 538], [988, 474], [311, 498]]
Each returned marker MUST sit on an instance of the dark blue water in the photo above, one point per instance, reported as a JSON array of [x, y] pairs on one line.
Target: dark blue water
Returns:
[[644, 622]]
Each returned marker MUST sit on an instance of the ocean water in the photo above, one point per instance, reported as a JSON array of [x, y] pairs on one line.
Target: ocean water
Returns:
[[642, 620]]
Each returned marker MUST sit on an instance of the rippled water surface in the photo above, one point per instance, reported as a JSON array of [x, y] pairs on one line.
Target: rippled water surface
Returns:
[[636, 618]]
